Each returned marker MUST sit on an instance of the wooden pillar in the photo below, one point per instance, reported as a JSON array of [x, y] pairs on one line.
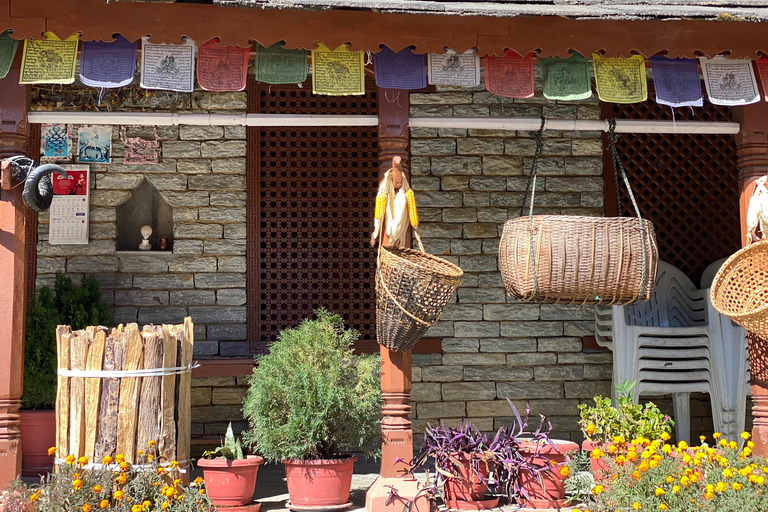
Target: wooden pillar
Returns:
[[396, 431], [13, 213], [752, 162]]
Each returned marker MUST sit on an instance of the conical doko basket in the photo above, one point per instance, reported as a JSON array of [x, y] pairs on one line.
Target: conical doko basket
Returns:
[[412, 288]]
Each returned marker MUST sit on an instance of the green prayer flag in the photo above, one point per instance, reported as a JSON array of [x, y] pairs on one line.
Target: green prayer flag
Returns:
[[566, 79], [276, 65], [7, 52]]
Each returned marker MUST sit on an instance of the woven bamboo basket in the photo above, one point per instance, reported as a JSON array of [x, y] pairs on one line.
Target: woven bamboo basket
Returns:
[[412, 288], [740, 288], [579, 260]]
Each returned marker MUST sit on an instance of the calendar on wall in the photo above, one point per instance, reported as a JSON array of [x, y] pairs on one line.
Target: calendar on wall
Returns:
[[69, 209]]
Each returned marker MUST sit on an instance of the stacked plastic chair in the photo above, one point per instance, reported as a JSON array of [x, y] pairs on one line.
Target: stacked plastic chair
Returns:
[[678, 343]]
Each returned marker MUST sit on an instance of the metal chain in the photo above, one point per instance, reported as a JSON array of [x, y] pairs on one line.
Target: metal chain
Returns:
[[531, 186]]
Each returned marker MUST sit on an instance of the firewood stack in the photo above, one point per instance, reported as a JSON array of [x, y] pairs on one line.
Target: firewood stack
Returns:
[[110, 414]]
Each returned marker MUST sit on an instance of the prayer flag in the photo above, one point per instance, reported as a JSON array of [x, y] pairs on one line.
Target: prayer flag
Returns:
[[762, 69], [401, 70], [676, 82], [108, 65], [510, 76], [168, 66], [222, 68], [50, 61], [566, 79], [729, 81], [339, 72], [454, 69], [276, 65], [620, 80], [7, 52]]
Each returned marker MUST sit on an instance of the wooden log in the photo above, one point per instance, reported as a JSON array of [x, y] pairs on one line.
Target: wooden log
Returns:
[[79, 355], [106, 432], [150, 411], [93, 390], [129, 395], [63, 339], [185, 395], [167, 442]]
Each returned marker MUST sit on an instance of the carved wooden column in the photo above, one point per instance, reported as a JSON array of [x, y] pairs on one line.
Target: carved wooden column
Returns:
[[13, 213], [752, 161], [396, 432]]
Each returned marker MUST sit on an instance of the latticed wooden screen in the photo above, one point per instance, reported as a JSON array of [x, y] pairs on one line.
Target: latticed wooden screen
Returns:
[[685, 184], [311, 193]]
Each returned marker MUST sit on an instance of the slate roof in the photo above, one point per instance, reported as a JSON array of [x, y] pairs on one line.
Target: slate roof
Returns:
[[721, 10]]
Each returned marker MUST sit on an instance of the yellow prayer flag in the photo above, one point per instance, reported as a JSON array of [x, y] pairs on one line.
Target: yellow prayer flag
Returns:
[[621, 80], [339, 72], [50, 61]]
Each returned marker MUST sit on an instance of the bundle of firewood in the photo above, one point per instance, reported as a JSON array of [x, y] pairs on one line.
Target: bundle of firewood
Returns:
[[120, 389]]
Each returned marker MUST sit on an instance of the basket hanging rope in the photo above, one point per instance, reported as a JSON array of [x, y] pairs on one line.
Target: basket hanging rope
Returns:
[[412, 287], [552, 259]]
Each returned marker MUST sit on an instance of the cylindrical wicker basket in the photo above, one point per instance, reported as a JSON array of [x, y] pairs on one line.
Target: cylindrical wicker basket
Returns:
[[740, 288], [579, 260], [412, 288]]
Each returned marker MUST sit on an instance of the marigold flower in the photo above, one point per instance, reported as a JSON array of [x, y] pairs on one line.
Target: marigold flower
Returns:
[[736, 486], [176, 482], [702, 438], [106, 460], [96, 488], [70, 459], [136, 508], [612, 448], [670, 479], [155, 484], [597, 489], [596, 453], [140, 453], [682, 445], [621, 460], [118, 495], [590, 429], [82, 461], [52, 450], [723, 443], [636, 475], [746, 452], [727, 473], [760, 480], [667, 449], [34, 496], [720, 487], [685, 481], [160, 471], [75, 476], [732, 445], [174, 464], [654, 463], [618, 439], [165, 505], [121, 478], [709, 495], [146, 504], [664, 436], [150, 457], [104, 504], [659, 491], [201, 491], [199, 480], [745, 435], [636, 505], [123, 466], [86, 507], [645, 454], [644, 466], [77, 484], [119, 458], [631, 455], [716, 435], [663, 506], [151, 443], [675, 489], [565, 471]]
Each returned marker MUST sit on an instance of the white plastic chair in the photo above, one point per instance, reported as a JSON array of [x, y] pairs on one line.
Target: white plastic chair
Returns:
[[677, 343]]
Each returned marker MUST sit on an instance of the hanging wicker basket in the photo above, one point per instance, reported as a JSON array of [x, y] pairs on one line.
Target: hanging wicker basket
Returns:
[[412, 288], [740, 288]]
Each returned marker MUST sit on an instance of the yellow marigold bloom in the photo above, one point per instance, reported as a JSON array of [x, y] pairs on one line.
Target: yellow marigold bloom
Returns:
[[656, 456], [750, 444], [685, 481], [760, 480], [150, 458], [174, 464], [564, 472], [34, 496], [618, 439], [146, 504], [178, 480], [664, 436], [667, 449], [709, 495], [688, 471], [201, 491], [155, 484], [720, 487], [621, 460], [86, 507], [723, 443], [76, 476], [104, 504], [151, 444], [136, 508], [644, 466], [612, 448], [121, 478], [70, 459], [77, 484], [736, 486], [590, 429], [199, 480], [52, 450], [694, 478], [746, 452], [160, 471], [663, 506], [96, 488], [702, 438], [752, 479], [597, 489], [727, 473], [716, 435], [654, 463], [82, 461], [636, 505], [670, 479], [645, 455], [732, 445], [179, 497], [675, 489], [631, 455], [106, 460], [745, 435], [119, 458], [659, 491], [636, 475], [724, 462], [165, 505], [123, 466], [682, 445], [596, 453], [118, 495], [686, 458]]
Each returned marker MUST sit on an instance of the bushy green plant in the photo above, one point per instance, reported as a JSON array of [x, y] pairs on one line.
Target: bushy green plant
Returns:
[[311, 397], [230, 448], [65, 304], [602, 422]]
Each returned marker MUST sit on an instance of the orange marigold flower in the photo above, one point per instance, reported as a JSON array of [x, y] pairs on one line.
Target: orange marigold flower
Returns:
[[86, 507], [745, 435], [643, 466], [670, 479], [736, 486], [119, 458], [118, 495], [82, 461], [663, 506], [77, 484], [155, 484], [151, 443], [34, 496], [621, 460], [590, 429], [664, 436], [121, 478], [199, 480], [140, 453], [136, 508], [174, 464], [52, 450], [636, 475], [631, 455], [675, 489], [659, 491], [150, 458], [596, 453], [96, 488], [104, 504], [201, 491], [123, 466], [612, 448], [165, 505], [160, 471], [716, 435], [146, 504], [70, 459], [106, 460], [565, 471], [636, 505]]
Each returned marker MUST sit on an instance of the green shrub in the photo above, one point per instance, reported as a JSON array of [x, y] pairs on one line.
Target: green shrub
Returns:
[[311, 397], [65, 304]]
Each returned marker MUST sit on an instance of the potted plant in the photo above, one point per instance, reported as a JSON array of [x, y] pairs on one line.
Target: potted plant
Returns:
[[64, 304], [311, 401], [230, 476]]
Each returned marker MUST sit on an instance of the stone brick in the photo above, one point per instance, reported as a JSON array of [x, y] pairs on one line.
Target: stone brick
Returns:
[[455, 165], [168, 166], [442, 373], [500, 372], [226, 396], [594, 357], [109, 197], [235, 132], [439, 410], [598, 371], [587, 389], [459, 215], [217, 182], [529, 390], [178, 149], [223, 149], [227, 332], [113, 280], [519, 147], [425, 392], [490, 280], [193, 297], [198, 230], [141, 298], [579, 328], [583, 166], [567, 312], [559, 111], [201, 396], [192, 132], [478, 263], [531, 358], [118, 181], [461, 345], [442, 98], [168, 181], [207, 264], [462, 312], [217, 314], [222, 100], [230, 297], [163, 281], [476, 329], [188, 199], [587, 147], [481, 230], [184, 247], [222, 214], [164, 315], [476, 199], [471, 111], [592, 199], [481, 295], [51, 265], [452, 132], [214, 382], [487, 183], [433, 147], [502, 166], [220, 280], [103, 215], [216, 413], [125, 315], [90, 264], [232, 264], [194, 166], [420, 165], [528, 329], [184, 214], [228, 199], [511, 312], [483, 147], [514, 199], [559, 345], [462, 246], [423, 133], [235, 231], [491, 408], [425, 183], [426, 359], [573, 184], [439, 199], [228, 247], [436, 246], [550, 408], [469, 391], [94, 248], [563, 372], [492, 215], [491, 246], [440, 230]]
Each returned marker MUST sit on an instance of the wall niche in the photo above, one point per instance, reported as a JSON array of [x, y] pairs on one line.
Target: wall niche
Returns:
[[145, 207]]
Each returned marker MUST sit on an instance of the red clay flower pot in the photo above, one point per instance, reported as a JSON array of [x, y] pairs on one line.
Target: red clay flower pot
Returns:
[[230, 482], [319, 483], [38, 433], [553, 492], [468, 490]]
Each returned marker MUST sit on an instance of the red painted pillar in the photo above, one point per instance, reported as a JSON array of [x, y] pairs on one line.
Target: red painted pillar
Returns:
[[752, 153], [13, 213]]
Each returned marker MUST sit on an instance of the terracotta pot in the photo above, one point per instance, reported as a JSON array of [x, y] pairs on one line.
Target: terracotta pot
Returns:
[[552, 494], [467, 492], [38, 433], [319, 483], [230, 482], [600, 466]]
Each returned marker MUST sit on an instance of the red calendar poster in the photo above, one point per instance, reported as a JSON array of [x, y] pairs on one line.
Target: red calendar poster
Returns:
[[69, 210]]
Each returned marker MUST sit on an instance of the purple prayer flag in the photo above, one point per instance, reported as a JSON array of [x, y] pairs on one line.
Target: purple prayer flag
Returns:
[[108, 64], [676, 81], [401, 70]]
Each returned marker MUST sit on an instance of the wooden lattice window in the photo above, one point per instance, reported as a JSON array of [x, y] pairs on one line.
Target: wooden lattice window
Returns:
[[687, 185], [310, 203]]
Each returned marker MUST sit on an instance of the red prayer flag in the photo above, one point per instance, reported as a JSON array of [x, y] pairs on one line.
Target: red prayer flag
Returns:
[[221, 68], [510, 76], [762, 69]]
